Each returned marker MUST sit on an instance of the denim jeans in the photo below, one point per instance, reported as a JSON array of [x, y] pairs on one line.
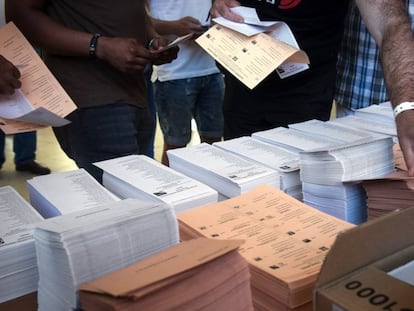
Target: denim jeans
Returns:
[[105, 132], [179, 101], [24, 147]]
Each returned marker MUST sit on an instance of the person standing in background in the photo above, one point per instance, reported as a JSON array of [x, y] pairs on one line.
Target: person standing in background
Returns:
[[191, 87], [98, 52], [24, 144], [360, 80]]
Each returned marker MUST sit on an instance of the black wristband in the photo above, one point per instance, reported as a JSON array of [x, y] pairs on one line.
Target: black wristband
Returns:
[[92, 45]]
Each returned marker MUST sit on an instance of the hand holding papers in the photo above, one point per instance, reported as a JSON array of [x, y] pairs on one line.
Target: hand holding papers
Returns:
[[41, 101], [250, 54]]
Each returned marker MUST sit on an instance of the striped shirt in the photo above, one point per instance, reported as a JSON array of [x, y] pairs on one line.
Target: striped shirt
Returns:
[[360, 80]]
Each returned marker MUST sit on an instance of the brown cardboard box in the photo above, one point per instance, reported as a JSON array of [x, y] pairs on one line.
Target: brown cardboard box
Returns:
[[354, 273]]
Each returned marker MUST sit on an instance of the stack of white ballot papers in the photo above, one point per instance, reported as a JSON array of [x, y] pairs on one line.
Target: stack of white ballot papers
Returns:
[[18, 268], [368, 124], [293, 140], [382, 113], [278, 158], [327, 176], [229, 174], [348, 162], [76, 248], [66, 192], [317, 128], [141, 177]]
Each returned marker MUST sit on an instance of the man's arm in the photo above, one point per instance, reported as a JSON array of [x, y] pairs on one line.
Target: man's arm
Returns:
[[389, 23], [126, 54]]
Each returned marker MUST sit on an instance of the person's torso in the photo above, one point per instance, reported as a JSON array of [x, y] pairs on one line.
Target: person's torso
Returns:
[[92, 82], [192, 60]]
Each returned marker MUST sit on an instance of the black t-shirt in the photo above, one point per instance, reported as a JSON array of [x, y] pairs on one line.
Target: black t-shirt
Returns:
[[318, 28]]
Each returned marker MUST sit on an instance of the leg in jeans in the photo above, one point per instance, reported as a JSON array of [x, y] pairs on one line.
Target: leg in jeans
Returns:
[[24, 147], [105, 132]]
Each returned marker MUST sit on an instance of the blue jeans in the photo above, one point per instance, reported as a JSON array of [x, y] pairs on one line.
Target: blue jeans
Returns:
[[179, 101], [24, 147], [105, 132]]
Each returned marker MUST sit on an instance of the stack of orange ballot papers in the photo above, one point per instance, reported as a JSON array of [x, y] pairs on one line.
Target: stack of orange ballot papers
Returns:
[[286, 242], [201, 274]]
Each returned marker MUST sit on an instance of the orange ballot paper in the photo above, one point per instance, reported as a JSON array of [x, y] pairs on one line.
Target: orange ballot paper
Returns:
[[41, 101]]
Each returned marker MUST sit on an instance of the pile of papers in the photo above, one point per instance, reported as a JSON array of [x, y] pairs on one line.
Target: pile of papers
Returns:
[[294, 140], [18, 268], [66, 192], [78, 247], [286, 242], [229, 174], [348, 162], [325, 170], [346, 201], [140, 177], [278, 158], [392, 192], [201, 274]]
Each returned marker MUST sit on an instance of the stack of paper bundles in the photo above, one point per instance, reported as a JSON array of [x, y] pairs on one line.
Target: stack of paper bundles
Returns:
[[326, 176], [140, 177], [75, 248], [278, 158], [295, 141], [367, 124], [66, 192], [18, 269], [382, 113], [392, 192], [286, 242], [201, 274], [229, 174], [344, 164]]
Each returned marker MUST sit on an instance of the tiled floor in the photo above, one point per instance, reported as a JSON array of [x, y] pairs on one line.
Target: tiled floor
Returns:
[[49, 154]]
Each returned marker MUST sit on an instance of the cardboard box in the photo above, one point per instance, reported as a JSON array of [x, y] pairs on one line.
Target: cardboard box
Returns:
[[354, 273]]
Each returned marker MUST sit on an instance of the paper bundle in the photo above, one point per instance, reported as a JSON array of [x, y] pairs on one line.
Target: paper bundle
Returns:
[[75, 248], [229, 174], [66, 192], [140, 177], [278, 158], [18, 268]]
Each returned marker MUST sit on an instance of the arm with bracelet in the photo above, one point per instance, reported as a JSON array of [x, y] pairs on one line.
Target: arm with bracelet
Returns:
[[389, 23]]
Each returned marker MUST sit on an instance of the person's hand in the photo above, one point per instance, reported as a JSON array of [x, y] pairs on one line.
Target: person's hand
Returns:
[[125, 54], [187, 25], [9, 77], [405, 132], [166, 56], [222, 8]]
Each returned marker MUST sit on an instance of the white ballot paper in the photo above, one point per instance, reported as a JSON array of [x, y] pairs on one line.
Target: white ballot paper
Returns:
[[248, 52]]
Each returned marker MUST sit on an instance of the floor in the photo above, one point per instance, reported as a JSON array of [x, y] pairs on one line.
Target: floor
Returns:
[[49, 154]]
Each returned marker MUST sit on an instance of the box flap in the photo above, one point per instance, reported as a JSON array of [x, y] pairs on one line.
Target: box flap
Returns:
[[367, 243], [175, 260]]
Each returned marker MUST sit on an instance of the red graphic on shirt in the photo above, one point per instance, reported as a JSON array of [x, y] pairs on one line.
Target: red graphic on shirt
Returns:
[[288, 4]]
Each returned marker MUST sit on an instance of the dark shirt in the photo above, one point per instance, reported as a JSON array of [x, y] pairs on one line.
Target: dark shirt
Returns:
[[92, 82]]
